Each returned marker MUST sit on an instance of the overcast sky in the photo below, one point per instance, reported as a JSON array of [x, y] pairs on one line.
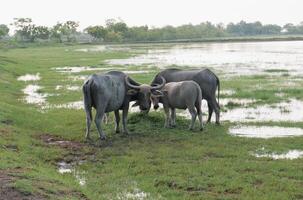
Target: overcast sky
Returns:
[[152, 12]]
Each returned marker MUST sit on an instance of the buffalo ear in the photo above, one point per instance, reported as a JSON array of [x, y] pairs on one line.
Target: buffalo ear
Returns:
[[165, 92], [131, 92], [157, 93]]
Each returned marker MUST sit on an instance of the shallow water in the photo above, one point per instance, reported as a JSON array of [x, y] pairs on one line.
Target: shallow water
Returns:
[[64, 167], [80, 69], [228, 92], [223, 102], [265, 131], [33, 96], [242, 101], [136, 72], [240, 58], [77, 105], [133, 193], [284, 111], [102, 48], [78, 78], [73, 87], [290, 155], [68, 87], [136, 194], [29, 77], [88, 68], [99, 48], [58, 87]]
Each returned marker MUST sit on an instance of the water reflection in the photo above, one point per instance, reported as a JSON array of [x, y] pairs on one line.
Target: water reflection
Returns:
[[290, 155], [265, 131], [233, 58]]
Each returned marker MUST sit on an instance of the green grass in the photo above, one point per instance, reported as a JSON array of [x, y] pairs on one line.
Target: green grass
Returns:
[[164, 163]]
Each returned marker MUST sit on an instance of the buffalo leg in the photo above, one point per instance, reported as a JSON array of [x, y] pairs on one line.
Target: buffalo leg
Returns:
[[117, 121], [167, 118], [210, 111], [124, 119], [88, 124], [173, 117], [199, 111], [193, 114], [217, 111], [98, 120]]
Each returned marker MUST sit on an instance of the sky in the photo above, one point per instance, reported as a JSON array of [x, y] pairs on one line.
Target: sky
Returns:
[[156, 13]]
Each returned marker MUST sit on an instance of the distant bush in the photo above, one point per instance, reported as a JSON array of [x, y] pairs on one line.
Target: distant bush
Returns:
[[118, 31]]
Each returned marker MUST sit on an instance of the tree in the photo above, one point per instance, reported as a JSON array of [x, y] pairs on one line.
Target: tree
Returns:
[[40, 32], [98, 32], [256, 28], [139, 33], [112, 36], [24, 28], [116, 29], [271, 29], [56, 32], [4, 30], [67, 29]]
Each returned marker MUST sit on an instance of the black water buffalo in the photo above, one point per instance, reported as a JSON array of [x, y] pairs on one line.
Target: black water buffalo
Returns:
[[205, 78], [113, 91], [182, 95]]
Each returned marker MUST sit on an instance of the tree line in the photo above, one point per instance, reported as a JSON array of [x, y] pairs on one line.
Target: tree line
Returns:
[[118, 31]]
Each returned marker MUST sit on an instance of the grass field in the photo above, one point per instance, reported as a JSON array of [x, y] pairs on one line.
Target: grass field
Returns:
[[152, 162]]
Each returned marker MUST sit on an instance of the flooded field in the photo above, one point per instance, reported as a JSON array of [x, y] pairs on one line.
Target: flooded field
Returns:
[[246, 58], [284, 111], [290, 155], [265, 131], [64, 168]]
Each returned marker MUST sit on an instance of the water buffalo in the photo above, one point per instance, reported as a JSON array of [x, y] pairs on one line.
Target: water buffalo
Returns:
[[113, 91], [182, 95], [207, 81]]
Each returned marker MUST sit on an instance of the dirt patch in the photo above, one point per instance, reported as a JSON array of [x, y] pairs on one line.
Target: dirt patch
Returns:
[[60, 142], [10, 147], [8, 192], [7, 121], [176, 186], [237, 190], [75, 156], [5, 131]]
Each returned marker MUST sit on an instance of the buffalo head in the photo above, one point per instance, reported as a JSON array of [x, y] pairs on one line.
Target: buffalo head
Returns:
[[144, 93]]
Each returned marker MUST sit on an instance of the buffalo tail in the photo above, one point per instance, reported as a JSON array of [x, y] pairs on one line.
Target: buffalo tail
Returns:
[[87, 98]]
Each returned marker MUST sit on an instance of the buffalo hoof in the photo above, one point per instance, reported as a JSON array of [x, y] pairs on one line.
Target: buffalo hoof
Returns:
[[102, 137], [218, 123], [202, 128], [117, 131]]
